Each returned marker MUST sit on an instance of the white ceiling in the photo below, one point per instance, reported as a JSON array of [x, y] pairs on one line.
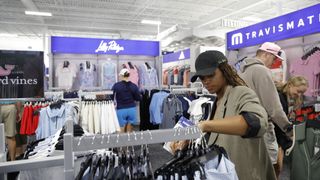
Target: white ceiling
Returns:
[[197, 20]]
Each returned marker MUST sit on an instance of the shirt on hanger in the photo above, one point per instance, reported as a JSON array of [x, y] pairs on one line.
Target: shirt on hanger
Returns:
[[310, 69], [65, 75]]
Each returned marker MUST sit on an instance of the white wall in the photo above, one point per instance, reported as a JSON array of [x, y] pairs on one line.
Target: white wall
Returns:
[[21, 43], [25, 44]]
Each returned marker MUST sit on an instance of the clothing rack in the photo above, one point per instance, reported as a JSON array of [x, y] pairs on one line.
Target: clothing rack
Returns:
[[183, 90], [83, 93], [22, 99], [103, 141], [27, 164]]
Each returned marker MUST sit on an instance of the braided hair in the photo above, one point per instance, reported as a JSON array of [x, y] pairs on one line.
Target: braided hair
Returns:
[[231, 75]]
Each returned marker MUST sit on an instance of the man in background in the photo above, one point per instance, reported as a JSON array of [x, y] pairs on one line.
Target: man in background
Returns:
[[257, 75]]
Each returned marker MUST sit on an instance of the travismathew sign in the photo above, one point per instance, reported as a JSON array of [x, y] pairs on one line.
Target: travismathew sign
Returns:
[[295, 24], [21, 74], [103, 46]]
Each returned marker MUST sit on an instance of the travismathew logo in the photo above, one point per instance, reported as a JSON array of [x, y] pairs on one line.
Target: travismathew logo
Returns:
[[300, 23], [236, 39], [109, 46]]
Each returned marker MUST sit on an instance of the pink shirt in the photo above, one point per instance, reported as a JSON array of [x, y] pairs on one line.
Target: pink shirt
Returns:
[[134, 76], [310, 69]]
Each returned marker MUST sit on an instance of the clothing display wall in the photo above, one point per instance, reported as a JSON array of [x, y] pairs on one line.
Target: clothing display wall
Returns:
[[176, 71], [74, 71]]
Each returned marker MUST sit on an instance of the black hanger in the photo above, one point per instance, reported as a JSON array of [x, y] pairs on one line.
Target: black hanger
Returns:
[[81, 66], [309, 53], [103, 165], [88, 64], [65, 64], [130, 65], [56, 105], [148, 66], [96, 160], [178, 156]]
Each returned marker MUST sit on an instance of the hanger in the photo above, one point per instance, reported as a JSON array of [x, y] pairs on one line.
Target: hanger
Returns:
[[130, 65], [57, 104], [148, 66], [65, 64], [309, 53], [88, 64], [83, 167]]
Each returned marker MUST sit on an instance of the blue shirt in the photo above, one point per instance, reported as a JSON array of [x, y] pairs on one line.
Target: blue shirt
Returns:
[[155, 107], [126, 93], [51, 120], [109, 75]]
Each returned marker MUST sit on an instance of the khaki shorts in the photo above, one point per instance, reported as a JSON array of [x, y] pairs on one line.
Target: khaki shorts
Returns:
[[8, 115]]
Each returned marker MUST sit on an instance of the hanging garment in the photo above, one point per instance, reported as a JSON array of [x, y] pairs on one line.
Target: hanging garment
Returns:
[[65, 75], [109, 74], [134, 75], [310, 69], [52, 119], [172, 111], [87, 75], [220, 170], [144, 107], [156, 107], [148, 76], [99, 117]]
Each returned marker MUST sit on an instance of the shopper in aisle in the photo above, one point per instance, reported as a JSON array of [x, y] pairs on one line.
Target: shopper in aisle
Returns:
[[291, 97], [125, 94], [256, 73], [238, 121], [9, 116]]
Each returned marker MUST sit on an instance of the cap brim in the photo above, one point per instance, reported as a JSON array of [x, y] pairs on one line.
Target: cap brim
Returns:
[[272, 53], [279, 57], [203, 72]]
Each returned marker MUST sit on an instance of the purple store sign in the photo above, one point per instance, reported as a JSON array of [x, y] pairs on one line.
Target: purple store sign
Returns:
[[74, 45], [299, 23], [177, 56]]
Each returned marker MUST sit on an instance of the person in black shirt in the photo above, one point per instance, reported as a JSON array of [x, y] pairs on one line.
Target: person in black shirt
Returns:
[[291, 97], [125, 94]]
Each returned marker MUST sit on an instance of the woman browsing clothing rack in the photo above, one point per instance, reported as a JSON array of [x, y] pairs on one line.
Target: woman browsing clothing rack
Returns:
[[125, 94]]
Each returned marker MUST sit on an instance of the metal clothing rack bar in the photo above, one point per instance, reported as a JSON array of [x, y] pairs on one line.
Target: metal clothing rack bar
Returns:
[[28, 164], [184, 90], [83, 93], [86, 143], [22, 99], [132, 139]]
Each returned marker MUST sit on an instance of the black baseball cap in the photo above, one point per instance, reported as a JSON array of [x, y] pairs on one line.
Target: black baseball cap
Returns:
[[207, 62]]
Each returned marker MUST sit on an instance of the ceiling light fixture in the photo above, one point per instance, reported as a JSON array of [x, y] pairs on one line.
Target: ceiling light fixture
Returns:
[[37, 13], [150, 22]]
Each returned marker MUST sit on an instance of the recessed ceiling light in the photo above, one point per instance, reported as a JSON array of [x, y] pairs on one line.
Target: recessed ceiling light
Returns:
[[37, 13], [150, 22]]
